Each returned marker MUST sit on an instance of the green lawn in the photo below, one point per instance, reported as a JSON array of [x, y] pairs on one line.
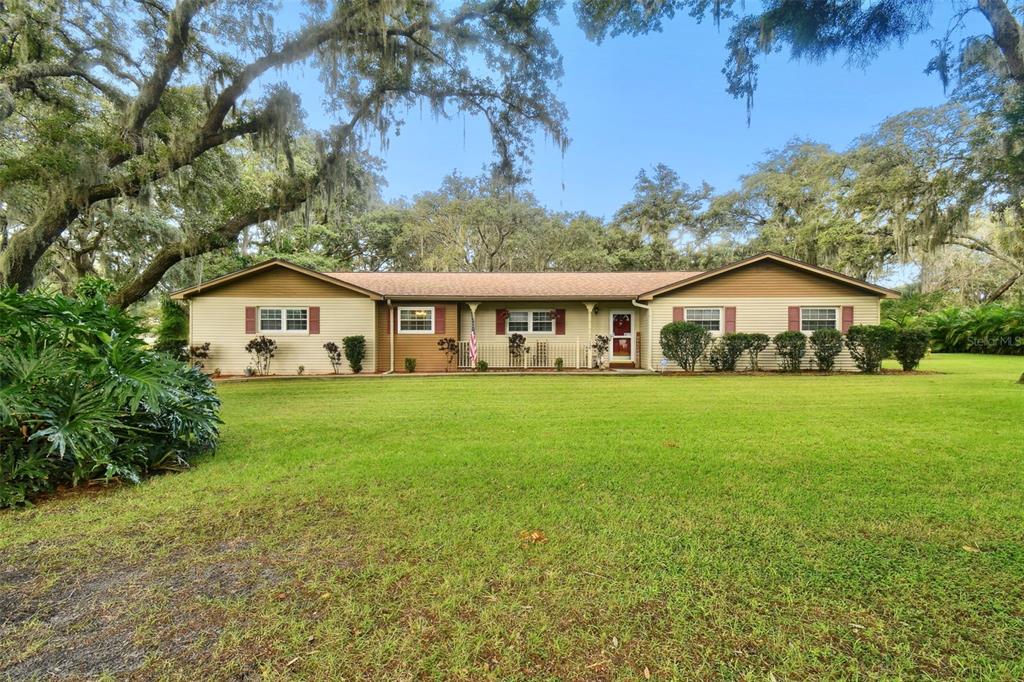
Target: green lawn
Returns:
[[736, 527]]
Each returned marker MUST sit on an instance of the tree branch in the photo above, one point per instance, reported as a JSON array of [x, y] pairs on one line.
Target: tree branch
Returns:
[[178, 27], [228, 231]]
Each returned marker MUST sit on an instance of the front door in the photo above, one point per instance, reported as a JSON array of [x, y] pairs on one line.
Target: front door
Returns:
[[622, 335]]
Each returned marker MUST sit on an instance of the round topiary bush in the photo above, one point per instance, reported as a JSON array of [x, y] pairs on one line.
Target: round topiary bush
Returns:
[[790, 348], [910, 346]]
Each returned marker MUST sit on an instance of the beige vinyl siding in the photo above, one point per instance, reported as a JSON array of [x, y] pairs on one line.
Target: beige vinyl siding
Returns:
[[221, 321], [766, 314]]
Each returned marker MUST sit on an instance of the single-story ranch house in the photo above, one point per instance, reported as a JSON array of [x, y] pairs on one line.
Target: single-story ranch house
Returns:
[[404, 314]]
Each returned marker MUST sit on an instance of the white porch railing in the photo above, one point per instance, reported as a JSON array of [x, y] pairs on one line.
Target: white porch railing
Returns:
[[536, 355]]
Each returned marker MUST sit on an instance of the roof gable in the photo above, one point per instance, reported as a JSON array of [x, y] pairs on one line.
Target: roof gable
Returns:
[[803, 273], [261, 279]]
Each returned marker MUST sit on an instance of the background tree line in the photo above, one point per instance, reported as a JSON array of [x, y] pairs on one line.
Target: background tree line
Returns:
[[918, 191]]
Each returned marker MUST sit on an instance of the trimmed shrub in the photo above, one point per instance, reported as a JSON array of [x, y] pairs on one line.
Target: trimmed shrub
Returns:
[[261, 349], [726, 352], [410, 365], [516, 349], [199, 354], [355, 351], [481, 365], [790, 347], [756, 343], [826, 344], [869, 345], [684, 343], [910, 346], [334, 355], [85, 399], [450, 348], [559, 364], [600, 347]]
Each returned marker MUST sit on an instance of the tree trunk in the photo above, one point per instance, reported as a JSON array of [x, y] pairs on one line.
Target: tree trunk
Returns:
[[1007, 34]]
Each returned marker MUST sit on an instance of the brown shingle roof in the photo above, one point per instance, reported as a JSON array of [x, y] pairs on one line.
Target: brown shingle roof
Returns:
[[508, 285]]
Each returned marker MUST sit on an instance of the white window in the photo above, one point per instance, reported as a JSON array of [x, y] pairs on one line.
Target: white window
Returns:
[[709, 318], [284, 319], [812, 319], [415, 320], [542, 321], [296, 319], [518, 322], [531, 322]]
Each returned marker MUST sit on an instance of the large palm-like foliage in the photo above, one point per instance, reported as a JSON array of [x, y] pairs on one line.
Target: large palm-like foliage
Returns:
[[983, 329], [82, 398]]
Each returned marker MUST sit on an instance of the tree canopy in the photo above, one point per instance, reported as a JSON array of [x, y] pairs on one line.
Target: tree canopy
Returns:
[[110, 101]]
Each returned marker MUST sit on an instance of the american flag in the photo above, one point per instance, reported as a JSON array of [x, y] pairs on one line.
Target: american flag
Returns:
[[472, 341]]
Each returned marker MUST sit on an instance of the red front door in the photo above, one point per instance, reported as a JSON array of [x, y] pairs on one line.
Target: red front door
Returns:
[[622, 336]]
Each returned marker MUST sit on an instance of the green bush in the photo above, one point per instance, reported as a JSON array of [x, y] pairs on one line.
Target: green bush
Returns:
[[172, 330], [410, 365], [869, 345], [684, 343], [481, 365], [755, 344], [984, 329], [910, 346], [600, 347], [726, 352], [82, 398], [334, 355], [450, 347], [262, 350], [826, 344], [355, 352], [559, 364], [790, 348]]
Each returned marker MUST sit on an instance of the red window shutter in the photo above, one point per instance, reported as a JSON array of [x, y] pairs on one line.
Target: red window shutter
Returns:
[[794, 318], [730, 319], [847, 318], [250, 319], [499, 321], [314, 319], [439, 319], [677, 314], [387, 320], [560, 321]]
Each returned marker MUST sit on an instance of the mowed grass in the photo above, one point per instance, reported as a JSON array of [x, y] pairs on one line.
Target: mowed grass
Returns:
[[560, 527]]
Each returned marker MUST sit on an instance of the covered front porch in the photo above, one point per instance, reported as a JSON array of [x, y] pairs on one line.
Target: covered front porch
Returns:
[[551, 330]]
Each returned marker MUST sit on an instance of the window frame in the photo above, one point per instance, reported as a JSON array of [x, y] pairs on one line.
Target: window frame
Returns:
[[529, 321], [398, 317], [721, 317], [284, 319], [837, 320]]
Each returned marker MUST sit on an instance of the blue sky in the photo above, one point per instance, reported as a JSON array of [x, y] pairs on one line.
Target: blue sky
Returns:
[[635, 102]]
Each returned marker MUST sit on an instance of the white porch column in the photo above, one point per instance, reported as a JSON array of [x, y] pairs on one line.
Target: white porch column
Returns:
[[473, 305], [590, 332]]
